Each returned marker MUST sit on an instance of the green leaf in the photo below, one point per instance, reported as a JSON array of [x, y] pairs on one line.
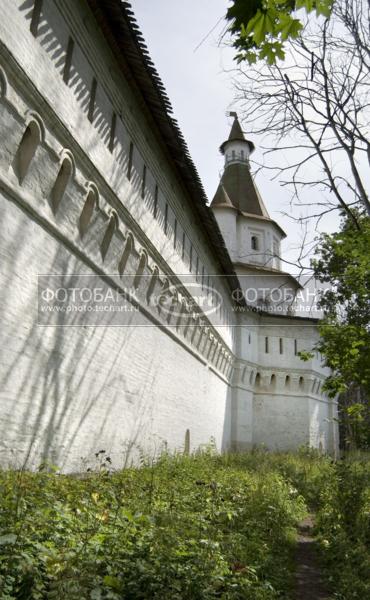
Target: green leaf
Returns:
[[9, 538], [112, 582]]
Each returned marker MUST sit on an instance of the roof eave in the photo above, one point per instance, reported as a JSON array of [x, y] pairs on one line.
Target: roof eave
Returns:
[[117, 22]]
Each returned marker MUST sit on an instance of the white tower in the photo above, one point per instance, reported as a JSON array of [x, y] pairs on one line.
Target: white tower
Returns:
[[252, 238]]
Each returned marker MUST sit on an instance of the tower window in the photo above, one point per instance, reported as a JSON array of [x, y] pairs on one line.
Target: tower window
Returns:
[[254, 242], [295, 348], [281, 346], [266, 345]]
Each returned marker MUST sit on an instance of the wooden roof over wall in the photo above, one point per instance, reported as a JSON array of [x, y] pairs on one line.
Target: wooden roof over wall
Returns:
[[118, 24]]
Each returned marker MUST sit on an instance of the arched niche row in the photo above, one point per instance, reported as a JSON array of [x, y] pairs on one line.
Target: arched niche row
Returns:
[[66, 171], [91, 204], [287, 381], [32, 137], [143, 261], [128, 249], [113, 224], [257, 381], [273, 380], [301, 383]]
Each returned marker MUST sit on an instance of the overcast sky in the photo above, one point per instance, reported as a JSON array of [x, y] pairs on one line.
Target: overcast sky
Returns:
[[183, 41]]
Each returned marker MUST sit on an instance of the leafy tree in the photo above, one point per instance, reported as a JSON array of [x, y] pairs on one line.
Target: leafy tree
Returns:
[[260, 27], [343, 262]]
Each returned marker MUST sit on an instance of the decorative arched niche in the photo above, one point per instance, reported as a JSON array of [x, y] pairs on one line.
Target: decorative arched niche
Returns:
[[113, 224], [91, 203], [32, 137], [143, 261], [67, 170], [152, 283], [127, 250]]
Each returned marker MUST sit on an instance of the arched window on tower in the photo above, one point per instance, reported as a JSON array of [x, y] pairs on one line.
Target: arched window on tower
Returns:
[[254, 242]]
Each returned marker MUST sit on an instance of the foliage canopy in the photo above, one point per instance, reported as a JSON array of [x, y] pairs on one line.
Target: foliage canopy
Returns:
[[260, 27]]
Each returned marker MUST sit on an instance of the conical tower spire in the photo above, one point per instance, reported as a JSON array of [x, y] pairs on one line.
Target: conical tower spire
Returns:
[[237, 188], [236, 135]]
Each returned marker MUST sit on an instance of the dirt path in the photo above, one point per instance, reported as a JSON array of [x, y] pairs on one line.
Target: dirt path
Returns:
[[308, 582]]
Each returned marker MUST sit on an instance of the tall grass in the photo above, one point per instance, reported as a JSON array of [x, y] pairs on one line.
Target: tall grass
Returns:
[[183, 528]]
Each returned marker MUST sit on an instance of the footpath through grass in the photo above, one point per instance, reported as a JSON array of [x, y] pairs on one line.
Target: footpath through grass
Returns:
[[186, 528]]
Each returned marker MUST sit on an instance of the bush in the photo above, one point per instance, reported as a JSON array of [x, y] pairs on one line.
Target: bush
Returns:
[[343, 526], [184, 528]]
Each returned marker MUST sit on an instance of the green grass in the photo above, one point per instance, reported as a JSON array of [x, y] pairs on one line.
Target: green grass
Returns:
[[185, 528]]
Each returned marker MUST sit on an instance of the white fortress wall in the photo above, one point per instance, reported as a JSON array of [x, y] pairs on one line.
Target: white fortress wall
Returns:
[[67, 392]]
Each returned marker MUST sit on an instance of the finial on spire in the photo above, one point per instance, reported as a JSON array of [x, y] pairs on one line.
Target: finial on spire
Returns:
[[237, 135]]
